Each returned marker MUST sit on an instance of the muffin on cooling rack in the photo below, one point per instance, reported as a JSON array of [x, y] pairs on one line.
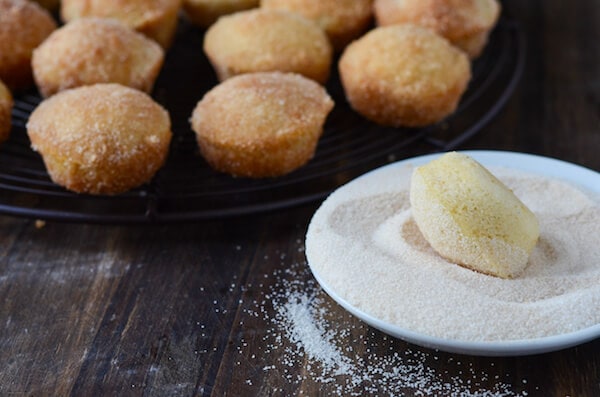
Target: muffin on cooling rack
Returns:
[[96, 50], [156, 19], [23, 26], [342, 20], [404, 75], [268, 40], [6, 104], [261, 124], [466, 23], [205, 12], [100, 139]]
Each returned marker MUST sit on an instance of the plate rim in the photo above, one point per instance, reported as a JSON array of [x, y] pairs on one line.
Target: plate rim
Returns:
[[533, 163]]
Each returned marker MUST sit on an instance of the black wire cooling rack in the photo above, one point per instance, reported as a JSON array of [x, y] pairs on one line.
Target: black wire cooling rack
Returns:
[[186, 189]]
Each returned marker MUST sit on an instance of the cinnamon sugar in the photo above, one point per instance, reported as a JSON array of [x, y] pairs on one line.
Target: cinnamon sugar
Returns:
[[348, 358], [363, 244]]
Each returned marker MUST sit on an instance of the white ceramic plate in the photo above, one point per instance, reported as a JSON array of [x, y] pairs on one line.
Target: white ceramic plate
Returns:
[[576, 175]]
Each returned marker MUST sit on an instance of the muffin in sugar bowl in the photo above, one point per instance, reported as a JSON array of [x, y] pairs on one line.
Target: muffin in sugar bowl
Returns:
[[471, 218]]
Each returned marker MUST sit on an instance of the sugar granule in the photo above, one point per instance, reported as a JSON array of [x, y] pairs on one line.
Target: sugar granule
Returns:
[[302, 327]]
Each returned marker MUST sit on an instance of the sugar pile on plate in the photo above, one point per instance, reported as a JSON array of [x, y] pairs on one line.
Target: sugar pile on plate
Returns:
[[364, 244]]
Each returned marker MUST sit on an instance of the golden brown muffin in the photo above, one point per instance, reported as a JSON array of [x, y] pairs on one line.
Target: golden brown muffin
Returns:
[[23, 26], [261, 124], [342, 20], [205, 12], [96, 50], [404, 75], [471, 218], [156, 19], [49, 4], [466, 23], [268, 40], [100, 139], [6, 104]]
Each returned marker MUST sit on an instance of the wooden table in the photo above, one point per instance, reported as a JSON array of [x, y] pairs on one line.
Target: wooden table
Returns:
[[194, 309]]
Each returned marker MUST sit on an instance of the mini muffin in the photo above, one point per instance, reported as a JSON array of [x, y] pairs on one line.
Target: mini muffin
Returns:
[[205, 12], [6, 104], [342, 20], [261, 124], [23, 26], [466, 23], [404, 75], [87, 51], [156, 19], [100, 139], [471, 218], [268, 40]]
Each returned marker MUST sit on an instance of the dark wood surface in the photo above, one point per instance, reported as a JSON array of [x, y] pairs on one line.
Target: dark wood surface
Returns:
[[186, 310]]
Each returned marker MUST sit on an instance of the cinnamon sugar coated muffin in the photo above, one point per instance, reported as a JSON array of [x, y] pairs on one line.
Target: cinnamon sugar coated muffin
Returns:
[[404, 75], [157, 19], [23, 26], [205, 12], [261, 124], [100, 139], [342, 20], [6, 104], [267, 40], [96, 50], [471, 218], [466, 23]]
